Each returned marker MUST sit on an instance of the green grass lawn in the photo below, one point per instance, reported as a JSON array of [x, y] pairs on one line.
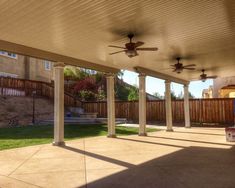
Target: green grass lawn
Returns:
[[33, 135]]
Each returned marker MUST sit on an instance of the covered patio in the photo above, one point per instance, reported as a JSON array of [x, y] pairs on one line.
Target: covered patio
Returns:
[[82, 34], [196, 157], [78, 33]]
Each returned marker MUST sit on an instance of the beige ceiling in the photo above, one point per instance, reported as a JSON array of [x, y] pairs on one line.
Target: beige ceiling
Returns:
[[202, 29]]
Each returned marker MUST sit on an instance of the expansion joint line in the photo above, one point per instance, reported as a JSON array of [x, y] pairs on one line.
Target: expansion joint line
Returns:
[[25, 161]]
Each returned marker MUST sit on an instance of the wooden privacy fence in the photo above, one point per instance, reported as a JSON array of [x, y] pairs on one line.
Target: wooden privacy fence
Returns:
[[22, 87], [201, 110]]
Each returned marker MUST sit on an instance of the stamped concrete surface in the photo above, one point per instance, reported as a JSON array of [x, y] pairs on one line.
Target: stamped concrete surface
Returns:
[[195, 157]]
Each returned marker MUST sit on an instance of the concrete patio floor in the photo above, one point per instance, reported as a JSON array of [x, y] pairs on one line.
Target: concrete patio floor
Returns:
[[195, 157]]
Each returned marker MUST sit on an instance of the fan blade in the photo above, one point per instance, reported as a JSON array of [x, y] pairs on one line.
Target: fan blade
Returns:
[[139, 43], [188, 68], [172, 65], [147, 49], [116, 52], [112, 46], [191, 65], [211, 77]]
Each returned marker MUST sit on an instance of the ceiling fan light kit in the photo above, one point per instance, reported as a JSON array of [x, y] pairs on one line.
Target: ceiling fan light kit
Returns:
[[178, 71], [131, 48], [131, 53]]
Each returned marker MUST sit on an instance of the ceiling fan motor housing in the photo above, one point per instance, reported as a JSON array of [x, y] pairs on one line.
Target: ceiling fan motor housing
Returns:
[[130, 46]]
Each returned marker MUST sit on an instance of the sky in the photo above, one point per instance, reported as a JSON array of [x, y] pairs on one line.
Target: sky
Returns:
[[157, 85]]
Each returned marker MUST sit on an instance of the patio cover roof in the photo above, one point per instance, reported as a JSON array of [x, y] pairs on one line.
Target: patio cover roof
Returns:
[[78, 33]]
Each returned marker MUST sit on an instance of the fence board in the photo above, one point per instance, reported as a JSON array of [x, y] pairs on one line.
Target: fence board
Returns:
[[201, 110], [22, 87]]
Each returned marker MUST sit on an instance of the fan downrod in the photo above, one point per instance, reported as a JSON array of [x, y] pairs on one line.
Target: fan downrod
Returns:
[[130, 36], [178, 59]]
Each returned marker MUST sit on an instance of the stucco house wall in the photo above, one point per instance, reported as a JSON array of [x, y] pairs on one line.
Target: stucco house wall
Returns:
[[12, 66], [218, 83], [38, 71], [23, 67]]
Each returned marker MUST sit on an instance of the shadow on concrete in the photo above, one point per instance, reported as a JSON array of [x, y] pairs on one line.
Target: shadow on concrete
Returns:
[[101, 157], [191, 167], [214, 134], [186, 140], [148, 142]]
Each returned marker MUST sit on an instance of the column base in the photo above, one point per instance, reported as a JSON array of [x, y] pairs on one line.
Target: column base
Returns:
[[112, 136], [142, 134], [58, 143], [187, 127], [169, 130]]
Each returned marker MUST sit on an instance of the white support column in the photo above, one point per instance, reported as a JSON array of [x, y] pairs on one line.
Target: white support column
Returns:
[[168, 106], [59, 104], [142, 105], [111, 105], [186, 107]]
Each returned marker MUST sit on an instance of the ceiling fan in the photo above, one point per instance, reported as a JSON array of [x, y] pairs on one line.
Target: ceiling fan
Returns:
[[131, 48], [178, 67], [204, 77]]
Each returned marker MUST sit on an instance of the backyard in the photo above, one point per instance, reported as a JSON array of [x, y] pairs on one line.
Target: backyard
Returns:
[[33, 135]]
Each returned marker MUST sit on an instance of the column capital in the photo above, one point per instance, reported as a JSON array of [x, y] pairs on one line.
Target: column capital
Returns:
[[109, 75], [167, 81], [59, 65], [141, 74], [186, 85]]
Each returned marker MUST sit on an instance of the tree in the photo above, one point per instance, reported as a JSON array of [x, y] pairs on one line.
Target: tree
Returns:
[[120, 74], [100, 95], [86, 89], [191, 96], [100, 81], [181, 95], [86, 95], [173, 95], [121, 92], [68, 73], [74, 73], [87, 83], [158, 96], [133, 94]]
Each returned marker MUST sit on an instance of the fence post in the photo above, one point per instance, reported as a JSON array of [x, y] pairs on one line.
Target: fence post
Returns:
[[233, 112], [200, 111], [1, 85], [74, 102], [24, 88]]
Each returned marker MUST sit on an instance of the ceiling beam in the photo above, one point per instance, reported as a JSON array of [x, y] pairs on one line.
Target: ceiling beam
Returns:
[[160, 75], [41, 54]]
